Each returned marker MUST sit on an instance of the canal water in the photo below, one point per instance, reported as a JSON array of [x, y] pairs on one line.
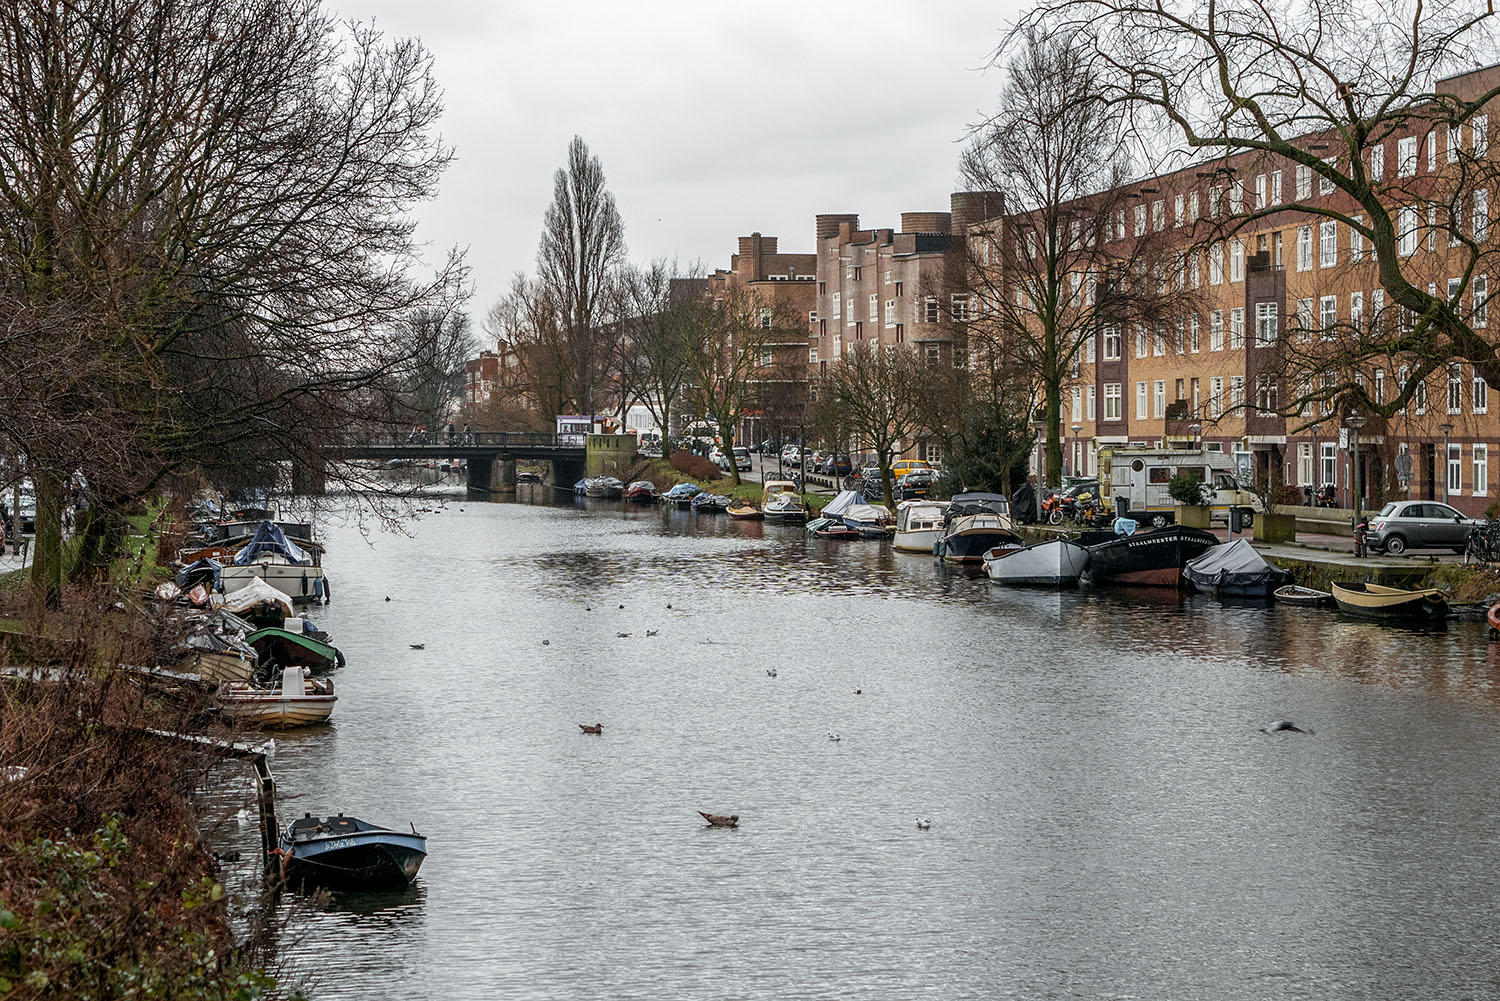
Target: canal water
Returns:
[[1108, 820]]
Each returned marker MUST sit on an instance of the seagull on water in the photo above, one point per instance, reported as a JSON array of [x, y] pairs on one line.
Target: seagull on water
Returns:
[[719, 820], [924, 823], [1286, 724], [595, 728]]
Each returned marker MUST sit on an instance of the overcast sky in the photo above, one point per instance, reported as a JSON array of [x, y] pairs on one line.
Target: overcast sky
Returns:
[[711, 120]]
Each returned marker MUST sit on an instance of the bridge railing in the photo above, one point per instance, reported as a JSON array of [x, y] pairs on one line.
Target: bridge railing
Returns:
[[467, 439]]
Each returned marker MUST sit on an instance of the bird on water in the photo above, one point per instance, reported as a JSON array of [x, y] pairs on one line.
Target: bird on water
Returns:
[[718, 820], [419, 646], [924, 823], [595, 728], [1286, 724]]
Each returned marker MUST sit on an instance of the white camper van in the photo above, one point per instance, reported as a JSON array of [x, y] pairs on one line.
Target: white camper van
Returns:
[[1141, 477]]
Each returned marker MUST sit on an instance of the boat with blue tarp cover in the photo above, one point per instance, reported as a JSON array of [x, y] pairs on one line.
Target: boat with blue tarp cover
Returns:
[[346, 853], [270, 556]]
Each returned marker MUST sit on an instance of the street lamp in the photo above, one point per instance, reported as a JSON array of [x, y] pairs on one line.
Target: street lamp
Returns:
[[1354, 422], [1075, 428], [1041, 455], [1445, 428], [1317, 464]]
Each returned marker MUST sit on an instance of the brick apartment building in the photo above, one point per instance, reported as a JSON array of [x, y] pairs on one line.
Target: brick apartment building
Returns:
[[1215, 375]]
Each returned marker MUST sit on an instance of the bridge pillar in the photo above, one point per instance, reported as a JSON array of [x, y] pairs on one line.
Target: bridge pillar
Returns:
[[566, 472], [503, 478], [609, 454], [480, 474], [309, 477]]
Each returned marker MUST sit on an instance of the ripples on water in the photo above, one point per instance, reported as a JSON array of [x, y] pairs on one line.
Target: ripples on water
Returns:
[[1107, 820]]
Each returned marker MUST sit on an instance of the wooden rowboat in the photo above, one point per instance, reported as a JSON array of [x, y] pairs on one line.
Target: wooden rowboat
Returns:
[[744, 510], [1377, 601], [1305, 596]]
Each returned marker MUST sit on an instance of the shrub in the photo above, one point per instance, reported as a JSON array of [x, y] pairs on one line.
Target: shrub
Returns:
[[695, 466], [1188, 489]]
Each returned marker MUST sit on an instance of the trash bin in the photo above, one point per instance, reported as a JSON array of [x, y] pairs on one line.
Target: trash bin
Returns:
[[1122, 507], [1240, 518]]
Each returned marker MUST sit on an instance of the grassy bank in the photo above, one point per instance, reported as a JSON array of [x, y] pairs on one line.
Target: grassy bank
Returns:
[[661, 472]]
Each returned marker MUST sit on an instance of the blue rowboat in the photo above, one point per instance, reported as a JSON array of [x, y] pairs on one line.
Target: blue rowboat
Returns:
[[346, 853]]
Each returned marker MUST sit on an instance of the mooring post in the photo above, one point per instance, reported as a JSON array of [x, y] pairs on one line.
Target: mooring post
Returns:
[[265, 792]]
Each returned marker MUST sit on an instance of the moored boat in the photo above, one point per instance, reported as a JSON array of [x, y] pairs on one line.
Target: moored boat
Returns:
[[1151, 559], [744, 510], [300, 701], [706, 503], [605, 487], [1054, 563], [641, 490], [1305, 596], [280, 648], [919, 525], [781, 501], [272, 557], [1377, 601], [832, 529], [346, 853], [681, 494], [974, 524], [1236, 570]]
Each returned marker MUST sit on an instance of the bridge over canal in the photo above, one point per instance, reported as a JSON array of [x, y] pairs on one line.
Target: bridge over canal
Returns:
[[490, 456]]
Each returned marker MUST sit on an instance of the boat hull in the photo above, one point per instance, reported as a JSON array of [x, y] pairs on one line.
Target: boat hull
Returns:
[[1056, 563], [277, 713], [970, 546], [301, 584], [920, 541], [356, 860], [1149, 559], [1305, 597], [1390, 604]]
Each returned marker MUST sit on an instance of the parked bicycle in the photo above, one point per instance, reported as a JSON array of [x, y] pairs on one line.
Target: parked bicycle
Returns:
[[1483, 545]]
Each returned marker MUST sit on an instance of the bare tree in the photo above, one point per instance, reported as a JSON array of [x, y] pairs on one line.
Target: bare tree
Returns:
[[1048, 277], [208, 202], [441, 341], [1321, 89], [881, 398], [726, 341], [652, 354]]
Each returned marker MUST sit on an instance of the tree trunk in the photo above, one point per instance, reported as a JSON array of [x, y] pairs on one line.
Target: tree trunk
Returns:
[[1054, 434], [726, 436], [47, 560], [666, 433], [884, 458]]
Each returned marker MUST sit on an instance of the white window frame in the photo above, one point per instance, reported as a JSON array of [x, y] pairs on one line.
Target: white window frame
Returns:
[[1481, 230], [1328, 244], [1304, 248], [1328, 315], [1112, 401], [1267, 322], [1356, 311], [1479, 129], [1325, 184], [1377, 162], [1406, 156], [1088, 403], [1159, 399], [1480, 303], [1455, 389], [1455, 468], [1237, 328], [1481, 471], [1216, 330], [1304, 181], [1406, 230]]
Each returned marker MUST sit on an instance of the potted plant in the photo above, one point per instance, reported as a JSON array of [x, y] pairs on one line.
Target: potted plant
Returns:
[[1191, 495], [1270, 525]]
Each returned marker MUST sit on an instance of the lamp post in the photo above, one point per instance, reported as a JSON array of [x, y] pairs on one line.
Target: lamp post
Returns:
[[1041, 453], [1317, 460], [1075, 428], [1445, 428], [1354, 422]]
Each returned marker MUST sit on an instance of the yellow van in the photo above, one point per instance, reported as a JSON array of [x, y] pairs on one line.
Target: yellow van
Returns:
[[901, 468]]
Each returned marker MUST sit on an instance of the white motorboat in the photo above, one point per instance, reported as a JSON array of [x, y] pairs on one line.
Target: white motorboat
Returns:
[[781, 501], [278, 561], [919, 525], [1055, 563], [300, 701], [974, 524]]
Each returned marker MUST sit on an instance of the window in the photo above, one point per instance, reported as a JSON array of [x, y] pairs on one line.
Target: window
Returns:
[[1377, 308], [1140, 220], [1262, 191], [1236, 328], [765, 318], [1454, 291], [1178, 211], [1159, 339], [888, 274], [1480, 316], [1193, 334], [1304, 248], [1236, 260], [1403, 376], [1328, 244], [1357, 312], [1236, 393], [1159, 398], [1432, 229], [1140, 340], [1088, 348], [1328, 315], [1377, 163], [1216, 264], [1111, 401], [874, 308], [1432, 151], [1179, 341], [1192, 206], [1275, 187], [1419, 397], [1213, 202], [960, 306], [1216, 396], [1304, 181], [766, 358], [812, 316], [1481, 214], [1325, 183], [1276, 248], [1406, 230], [1455, 468], [1195, 395], [1480, 128], [812, 354], [890, 312], [1120, 224], [1455, 140], [1237, 196], [1455, 389], [1380, 385], [1265, 394], [1406, 156], [1077, 404], [1266, 321], [1481, 470], [1088, 401], [1356, 240], [934, 355], [1479, 397], [1305, 464], [1111, 342], [1140, 401], [1216, 330], [1329, 461], [1158, 215], [930, 309]]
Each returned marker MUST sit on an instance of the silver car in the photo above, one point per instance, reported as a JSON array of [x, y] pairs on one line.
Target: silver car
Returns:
[[1403, 525]]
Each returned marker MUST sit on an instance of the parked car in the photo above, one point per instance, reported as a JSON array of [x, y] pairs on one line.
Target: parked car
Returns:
[[819, 460], [841, 465], [741, 458], [869, 476], [904, 466], [791, 456], [1403, 525], [917, 483]]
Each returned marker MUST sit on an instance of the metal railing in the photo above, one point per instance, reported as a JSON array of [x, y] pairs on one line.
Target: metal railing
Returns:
[[466, 439]]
